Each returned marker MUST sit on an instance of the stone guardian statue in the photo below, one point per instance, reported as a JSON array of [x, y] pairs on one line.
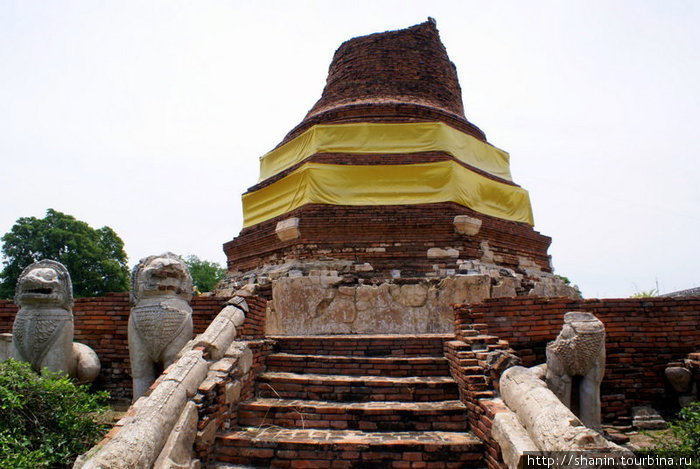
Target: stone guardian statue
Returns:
[[575, 366], [42, 333], [160, 323]]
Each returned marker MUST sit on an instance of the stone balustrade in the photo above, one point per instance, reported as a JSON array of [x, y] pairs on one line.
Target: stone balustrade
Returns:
[[185, 407]]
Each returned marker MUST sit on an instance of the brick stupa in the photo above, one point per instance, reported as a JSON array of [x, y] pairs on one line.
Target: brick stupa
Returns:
[[386, 178]]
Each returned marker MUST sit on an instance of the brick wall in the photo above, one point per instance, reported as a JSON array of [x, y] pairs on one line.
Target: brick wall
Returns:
[[8, 310], [643, 335], [204, 310], [102, 323], [254, 325]]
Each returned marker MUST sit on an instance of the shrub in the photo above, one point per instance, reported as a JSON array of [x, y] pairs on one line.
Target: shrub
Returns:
[[45, 421], [683, 438]]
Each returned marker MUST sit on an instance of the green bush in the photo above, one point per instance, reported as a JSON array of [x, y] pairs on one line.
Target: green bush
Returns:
[[45, 421], [683, 438]]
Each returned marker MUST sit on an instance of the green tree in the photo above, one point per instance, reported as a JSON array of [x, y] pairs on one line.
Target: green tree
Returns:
[[45, 421], [95, 258], [205, 274]]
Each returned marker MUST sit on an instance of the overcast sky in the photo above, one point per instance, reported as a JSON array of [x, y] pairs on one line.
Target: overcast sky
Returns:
[[150, 117]]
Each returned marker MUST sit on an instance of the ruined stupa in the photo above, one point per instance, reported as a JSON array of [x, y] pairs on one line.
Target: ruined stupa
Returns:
[[385, 178]]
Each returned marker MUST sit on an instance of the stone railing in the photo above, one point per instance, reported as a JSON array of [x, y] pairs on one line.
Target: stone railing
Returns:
[[535, 421], [175, 423]]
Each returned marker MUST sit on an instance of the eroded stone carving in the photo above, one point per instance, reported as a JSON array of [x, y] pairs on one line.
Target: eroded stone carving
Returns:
[[325, 305], [681, 375], [575, 365], [542, 420], [160, 323], [42, 333]]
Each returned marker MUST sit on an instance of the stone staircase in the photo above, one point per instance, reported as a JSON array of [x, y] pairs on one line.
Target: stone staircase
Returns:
[[353, 402]]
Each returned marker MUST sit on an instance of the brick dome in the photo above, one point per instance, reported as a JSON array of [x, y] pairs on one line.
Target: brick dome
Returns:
[[402, 75]]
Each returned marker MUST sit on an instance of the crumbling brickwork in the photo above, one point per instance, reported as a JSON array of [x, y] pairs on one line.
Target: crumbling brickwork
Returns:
[[477, 378], [387, 237], [396, 72]]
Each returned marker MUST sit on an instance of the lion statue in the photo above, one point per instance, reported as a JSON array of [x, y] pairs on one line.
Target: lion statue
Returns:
[[42, 333], [575, 365], [160, 323]]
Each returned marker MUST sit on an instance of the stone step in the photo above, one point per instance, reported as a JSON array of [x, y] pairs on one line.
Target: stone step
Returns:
[[481, 339], [367, 366], [355, 388], [299, 448], [379, 345], [367, 416], [470, 331]]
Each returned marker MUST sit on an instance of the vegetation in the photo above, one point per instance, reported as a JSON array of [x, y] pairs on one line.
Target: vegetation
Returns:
[[95, 258], [45, 421], [646, 294], [683, 438], [205, 274]]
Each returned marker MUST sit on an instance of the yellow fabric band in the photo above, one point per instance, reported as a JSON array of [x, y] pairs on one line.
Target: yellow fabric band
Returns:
[[387, 138], [424, 183]]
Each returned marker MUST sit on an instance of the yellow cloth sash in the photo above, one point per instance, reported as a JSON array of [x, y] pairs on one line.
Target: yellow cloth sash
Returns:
[[387, 138], [442, 181]]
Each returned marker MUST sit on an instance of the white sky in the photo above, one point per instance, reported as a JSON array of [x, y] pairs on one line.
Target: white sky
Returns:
[[149, 117]]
